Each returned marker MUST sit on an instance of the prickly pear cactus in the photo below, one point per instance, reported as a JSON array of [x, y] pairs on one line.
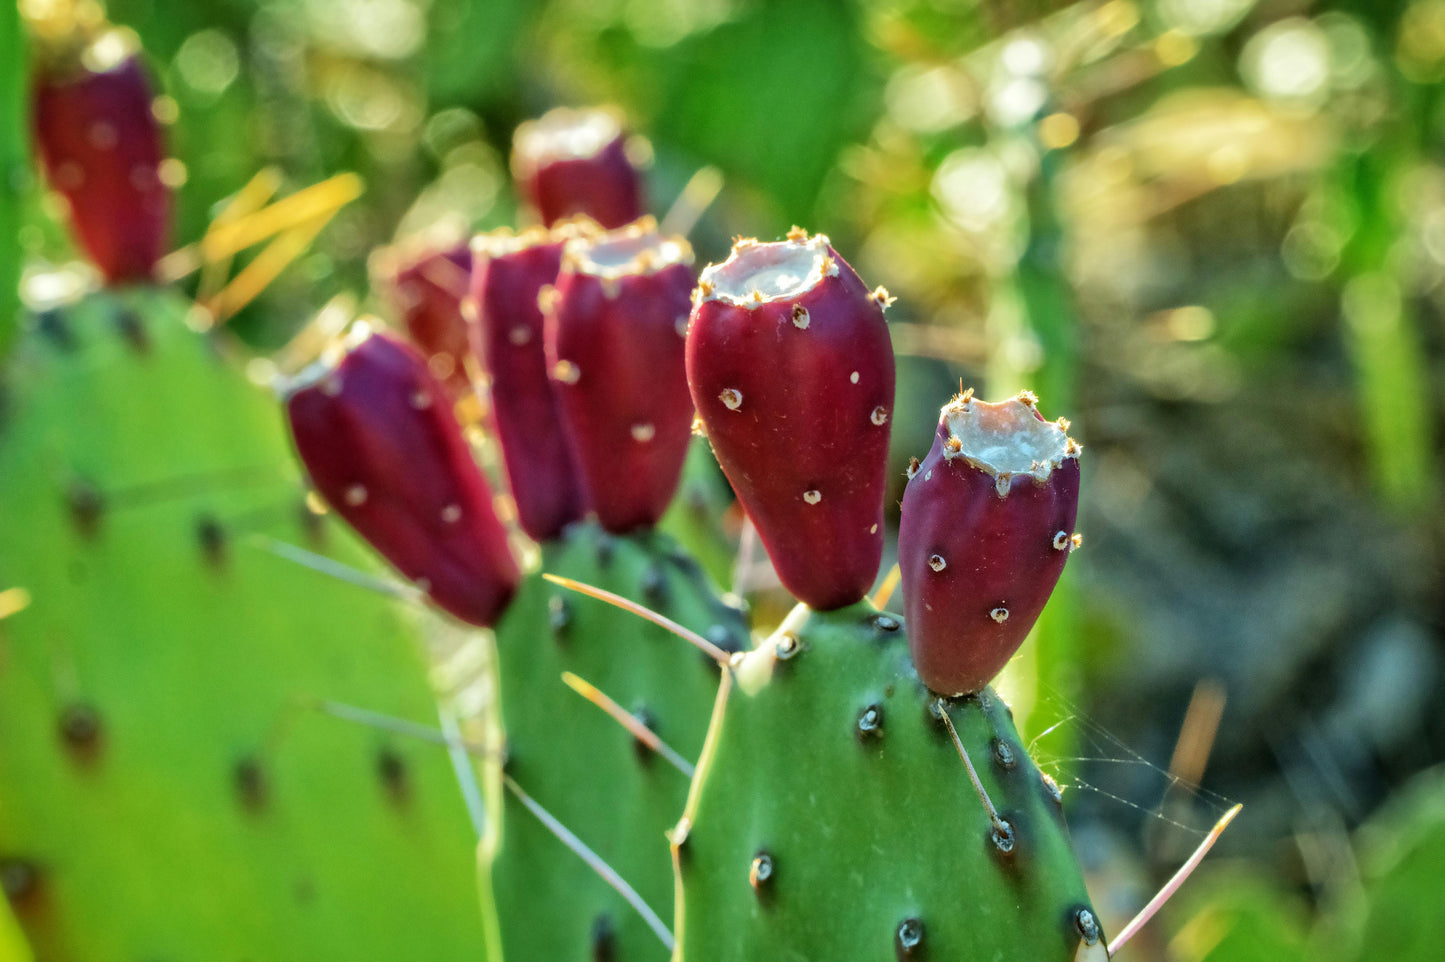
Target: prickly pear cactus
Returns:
[[165, 790], [615, 795], [832, 817]]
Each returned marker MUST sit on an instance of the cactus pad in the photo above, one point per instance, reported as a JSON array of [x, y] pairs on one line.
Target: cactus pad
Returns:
[[165, 793], [831, 816], [583, 767]]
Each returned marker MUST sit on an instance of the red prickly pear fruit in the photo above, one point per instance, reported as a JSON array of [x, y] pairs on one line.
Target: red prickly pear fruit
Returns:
[[101, 148], [571, 162], [988, 522], [378, 438], [791, 368], [509, 275], [426, 290], [614, 335]]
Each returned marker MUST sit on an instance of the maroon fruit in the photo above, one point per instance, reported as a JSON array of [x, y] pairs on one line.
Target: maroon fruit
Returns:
[[426, 289], [614, 337], [988, 521], [791, 369], [101, 146], [509, 276], [572, 162], [377, 435]]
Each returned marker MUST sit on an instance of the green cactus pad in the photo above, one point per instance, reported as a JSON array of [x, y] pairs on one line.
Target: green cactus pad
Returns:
[[583, 767], [832, 818], [12, 940], [165, 792]]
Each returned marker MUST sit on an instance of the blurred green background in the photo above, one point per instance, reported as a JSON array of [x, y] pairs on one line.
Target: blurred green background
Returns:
[[1210, 232]]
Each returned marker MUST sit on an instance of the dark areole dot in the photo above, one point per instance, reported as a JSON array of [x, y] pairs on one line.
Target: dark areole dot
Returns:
[[604, 939], [654, 586], [1003, 755], [559, 615], [760, 872], [1002, 836], [908, 940], [19, 878], [250, 782], [1088, 926], [391, 770], [86, 505], [80, 727], [211, 536], [870, 722]]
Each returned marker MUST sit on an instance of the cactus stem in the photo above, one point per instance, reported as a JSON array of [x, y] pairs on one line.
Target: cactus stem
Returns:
[[1002, 831], [636, 728], [1172, 886], [595, 862], [641, 611]]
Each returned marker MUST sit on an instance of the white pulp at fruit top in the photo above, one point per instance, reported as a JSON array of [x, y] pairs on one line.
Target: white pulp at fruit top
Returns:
[[629, 251], [563, 134], [780, 270], [1005, 437]]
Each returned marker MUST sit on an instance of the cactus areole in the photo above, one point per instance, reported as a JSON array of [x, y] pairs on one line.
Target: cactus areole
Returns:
[[614, 338], [381, 445], [988, 522], [101, 146], [509, 274], [791, 370], [570, 162]]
